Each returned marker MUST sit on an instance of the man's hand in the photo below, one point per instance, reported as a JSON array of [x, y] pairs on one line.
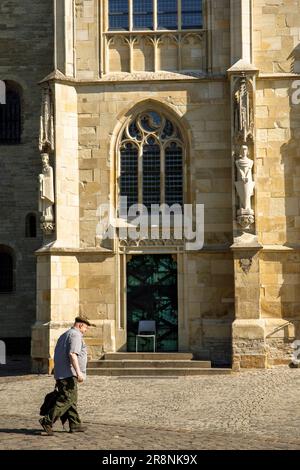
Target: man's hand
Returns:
[[74, 362], [80, 378]]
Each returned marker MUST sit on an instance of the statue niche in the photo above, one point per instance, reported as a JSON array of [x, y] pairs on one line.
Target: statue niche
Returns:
[[46, 192], [46, 179], [245, 188]]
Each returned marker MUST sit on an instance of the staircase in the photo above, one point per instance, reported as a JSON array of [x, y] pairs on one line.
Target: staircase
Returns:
[[152, 364]]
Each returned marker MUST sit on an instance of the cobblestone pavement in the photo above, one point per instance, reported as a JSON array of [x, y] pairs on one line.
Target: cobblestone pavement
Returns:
[[250, 410]]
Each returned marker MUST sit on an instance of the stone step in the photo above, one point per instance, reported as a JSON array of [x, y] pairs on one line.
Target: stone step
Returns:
[[148, 356], [155, 372], [145, 364]]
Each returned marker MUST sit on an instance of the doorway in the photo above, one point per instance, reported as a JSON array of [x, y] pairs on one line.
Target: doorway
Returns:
[[152, 294]]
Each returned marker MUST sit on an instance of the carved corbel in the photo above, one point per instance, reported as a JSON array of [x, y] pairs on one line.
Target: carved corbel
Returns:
[[245, 264]]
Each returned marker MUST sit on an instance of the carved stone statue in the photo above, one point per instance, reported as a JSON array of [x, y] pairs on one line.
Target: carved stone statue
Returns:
[[245, 187], [243, 119], [46, 140], [46, 200]]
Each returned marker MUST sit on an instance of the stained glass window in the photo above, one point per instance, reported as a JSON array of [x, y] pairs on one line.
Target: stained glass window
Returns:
[[151, 174], [157, 142], [191, 14], [174, 174], [167, 16], [118, 15], [129, 175], [143, 14]]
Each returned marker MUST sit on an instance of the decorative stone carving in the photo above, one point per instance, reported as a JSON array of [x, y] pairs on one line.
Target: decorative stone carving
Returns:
[[46, 180], [245, 264], [46, 193], [46, 140], [245, 188], [79, 8], [142, 76], [245, 221], [243, 110], [149, 243], [160, 44]]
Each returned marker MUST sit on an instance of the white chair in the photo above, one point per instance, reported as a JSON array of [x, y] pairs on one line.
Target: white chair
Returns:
[[146, 329]]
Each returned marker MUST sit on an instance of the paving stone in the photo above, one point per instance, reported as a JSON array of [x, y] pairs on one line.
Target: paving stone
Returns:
[[250, 410]]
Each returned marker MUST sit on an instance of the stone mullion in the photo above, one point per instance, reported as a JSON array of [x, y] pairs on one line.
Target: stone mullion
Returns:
[[105, 45], [130, 11], [208, 39], [162, 176], [155, 45], [179, 52], [179, 15], [155, 15], [140, 174], [101, 38], [131, 42]]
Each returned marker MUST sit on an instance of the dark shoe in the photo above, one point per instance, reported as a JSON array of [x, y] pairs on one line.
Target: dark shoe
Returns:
[[77, 428], [47, 428]]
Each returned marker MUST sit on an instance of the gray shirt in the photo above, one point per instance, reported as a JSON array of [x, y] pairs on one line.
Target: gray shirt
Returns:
[[70, 342]]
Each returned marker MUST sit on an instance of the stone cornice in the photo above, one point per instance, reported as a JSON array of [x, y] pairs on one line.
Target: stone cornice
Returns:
[[281, 248], [60, 251], [279, 75], [53, 251], [129, 78]]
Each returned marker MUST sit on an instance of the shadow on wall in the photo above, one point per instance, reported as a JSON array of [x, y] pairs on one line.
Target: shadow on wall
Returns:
[[285, 195]]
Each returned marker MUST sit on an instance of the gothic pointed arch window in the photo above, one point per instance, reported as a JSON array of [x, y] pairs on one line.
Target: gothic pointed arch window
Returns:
[[10, 115], [151, 161]]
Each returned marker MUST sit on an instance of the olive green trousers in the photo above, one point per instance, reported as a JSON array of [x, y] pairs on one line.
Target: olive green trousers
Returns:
[[66, 403]]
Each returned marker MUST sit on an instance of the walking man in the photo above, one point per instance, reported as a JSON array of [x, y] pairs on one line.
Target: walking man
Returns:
[[70, 360]]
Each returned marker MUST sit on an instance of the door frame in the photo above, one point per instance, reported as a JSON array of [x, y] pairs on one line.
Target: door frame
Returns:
[[121, 296]]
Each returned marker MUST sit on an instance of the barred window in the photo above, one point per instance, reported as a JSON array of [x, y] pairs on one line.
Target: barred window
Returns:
[[154, 14], [6, 270], [151, 161], [10, 115]]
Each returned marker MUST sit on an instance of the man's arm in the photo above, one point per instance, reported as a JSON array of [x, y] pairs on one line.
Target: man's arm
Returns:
[[75, 364]]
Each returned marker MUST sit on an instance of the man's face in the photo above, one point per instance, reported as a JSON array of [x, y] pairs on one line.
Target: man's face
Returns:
[[83, 328], [45, 161]]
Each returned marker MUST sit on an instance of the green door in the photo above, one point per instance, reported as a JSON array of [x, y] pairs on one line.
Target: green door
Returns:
[[152, 295]]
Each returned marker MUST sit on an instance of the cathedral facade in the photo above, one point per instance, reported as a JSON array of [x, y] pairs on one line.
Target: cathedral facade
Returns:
[[117, 107]]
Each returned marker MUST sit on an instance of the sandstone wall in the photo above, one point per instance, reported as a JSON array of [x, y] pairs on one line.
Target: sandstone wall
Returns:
[[26, 56], [276, 35]]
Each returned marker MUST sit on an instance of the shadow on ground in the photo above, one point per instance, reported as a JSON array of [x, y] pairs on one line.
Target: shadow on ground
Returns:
[[16, 366]]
